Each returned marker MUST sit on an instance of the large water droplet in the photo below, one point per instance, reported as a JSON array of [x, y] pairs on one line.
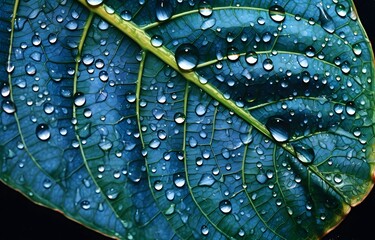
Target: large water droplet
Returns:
[[233, 54], [179, 118], [179, 180], [79, 99], [277, 13], [8, 106], [325, 19], [205, 230], [42, 132], [205, 9], [156, 41], [302, 61], [268, 64], [251, 57], [158, 185], [225, 206], [200, 109], [94, 2], [350, 108], [187, 56], [163, 10], [304, 153], [206, 180], [279, 129]]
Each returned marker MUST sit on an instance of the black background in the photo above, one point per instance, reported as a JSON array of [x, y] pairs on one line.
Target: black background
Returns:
[[22, 219]]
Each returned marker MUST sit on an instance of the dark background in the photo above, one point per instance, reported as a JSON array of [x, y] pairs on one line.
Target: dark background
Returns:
[[22, 219]]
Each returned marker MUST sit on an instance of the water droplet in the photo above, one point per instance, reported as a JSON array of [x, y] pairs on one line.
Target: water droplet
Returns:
[[268, 64], [48, 108], [337, 178], [170, 194], [112, 193], [304, 153], [302, 61], [8, 106], [350, 108], [205, 9], [277, 13], [233, 54], [205, 230], [103, 76], [71, 25], [279, 129], [187, 56], [179, 118], [42, 132], [30, 69], [94, 2], [126, 15], [345, 67], [158, 185], [310, 51], [47, 183], [341, 10], [206, 180], [88, 59], [338, 108], [154, 144], [325, 19], [179, 180], [156, 41], [225, 206], [79, 99], [163, 10], [261, 178], [251, 58], [192, 142], [357, 49], [105, 144], [200, 109], [158, 113]]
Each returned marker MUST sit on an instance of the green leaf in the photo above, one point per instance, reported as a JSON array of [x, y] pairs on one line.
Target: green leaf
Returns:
[[188, 119]]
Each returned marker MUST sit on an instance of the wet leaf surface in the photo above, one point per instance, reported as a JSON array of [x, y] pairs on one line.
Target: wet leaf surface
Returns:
[[177, 120]]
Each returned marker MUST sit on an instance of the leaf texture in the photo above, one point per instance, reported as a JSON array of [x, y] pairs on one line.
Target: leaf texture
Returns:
[[188, 119]]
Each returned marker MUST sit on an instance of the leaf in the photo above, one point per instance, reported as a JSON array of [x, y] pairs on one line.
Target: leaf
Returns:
[[183, 119]]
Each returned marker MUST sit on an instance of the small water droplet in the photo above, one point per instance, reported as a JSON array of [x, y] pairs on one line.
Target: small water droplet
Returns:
[[350, 108], [310, 51], [154, 144], [30, 69], [233, 54], [158, 185], [268, 64], [8, 106], [105, 144], [47, 183], [261, 178], [71, 25], [357, 49], [170, 194], [200, 109], [42, 132], [337, 178], [225, 206], [85, 204], [112, 193], [304, 153], [341, 10], [277, 13], [279, 129], [126, 15], [79, 99], [192, 142], [302, 61], [88, 59], [163, 10], [187, 56], [345, 67]]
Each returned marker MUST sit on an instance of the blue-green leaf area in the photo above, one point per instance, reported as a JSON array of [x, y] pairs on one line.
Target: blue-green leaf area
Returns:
[[189, 119]]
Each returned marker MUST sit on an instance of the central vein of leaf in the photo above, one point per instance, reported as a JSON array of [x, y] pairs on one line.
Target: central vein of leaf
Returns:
[[138, 35]]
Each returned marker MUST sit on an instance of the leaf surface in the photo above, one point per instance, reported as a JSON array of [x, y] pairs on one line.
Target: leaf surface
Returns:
[[189, 120]]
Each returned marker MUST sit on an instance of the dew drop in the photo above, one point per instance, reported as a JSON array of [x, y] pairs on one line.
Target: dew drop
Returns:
[[251, 58], [163, 10], [42, 132], [205, 9], [277, 13], [302, 61], [325, 19], [8, 106], [187, 56], [205, 230], [156, 41], [357, 50], [233, 54], [337, 178], [206, 180], [154, 144], [71, 25], [261, 178], [85, 204], [170, 194], [341, 10], [158, 185], [105, 145], [345, 67], [52, 38], [48, 108], [94, 3], [79, 99], [30, 69], [225, 206], [192, 142], [179, 118], [310, 51], [179, 180], [350, 108], [88, 59], [279, 129], [304, 153], [47, 183], [200, 109], [268, 64], [126, 15]]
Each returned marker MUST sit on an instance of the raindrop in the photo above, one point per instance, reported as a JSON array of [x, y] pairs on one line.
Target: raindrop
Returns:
[[105, 145], [357, 50], [162, 134], [302, 61], [52, 38], [325, 19], [341, 10], [187, 56], [47, 183], [36, 40], [179, 180], [79, 99], [246, 138], [192, 142], [85, 204], [71, 25], [48, 108], [338, 108], [156, 41], [345, 67], [337, 178], [103, 76], [310, 51], [205, 230], [205, 9], [94, 2], [126, 15], [200, 109], [261, 178], [206, 180], [112, 193], [209, 23], [225, 153], [88, 59], [233, 54], [304, 153], [225, 206], [8, 106], [163, 10], [42, 132], [277, 13], [154, 144], [30, 69], [251, 58], [179, 118], [158, 185], [279, 129], [268, 64], [170, 194], [158, 113], [350, 108]]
